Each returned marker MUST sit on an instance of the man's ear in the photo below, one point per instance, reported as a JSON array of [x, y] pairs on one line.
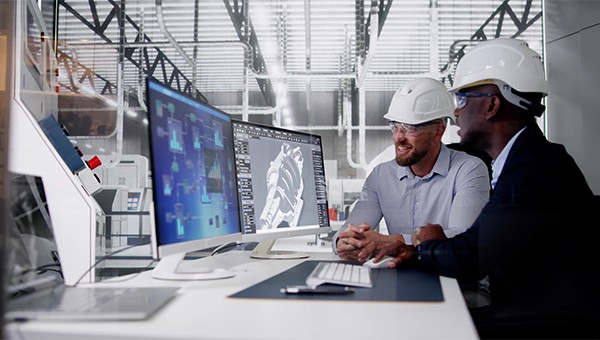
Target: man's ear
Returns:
[[441, 129], [493, 108]]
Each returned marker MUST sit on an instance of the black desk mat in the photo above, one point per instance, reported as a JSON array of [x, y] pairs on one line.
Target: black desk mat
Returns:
[[388, 285]]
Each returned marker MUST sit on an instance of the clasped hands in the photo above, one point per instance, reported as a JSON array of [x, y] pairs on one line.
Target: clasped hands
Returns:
[[359, 242]]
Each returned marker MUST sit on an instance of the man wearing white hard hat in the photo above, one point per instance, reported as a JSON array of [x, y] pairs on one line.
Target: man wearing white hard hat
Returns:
[[425, 183], [537, 238]]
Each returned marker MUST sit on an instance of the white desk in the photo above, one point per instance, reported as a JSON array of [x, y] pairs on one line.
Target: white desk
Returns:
[[202, 310]]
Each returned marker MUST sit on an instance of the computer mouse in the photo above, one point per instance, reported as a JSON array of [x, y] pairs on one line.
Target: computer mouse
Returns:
[[381, 264]]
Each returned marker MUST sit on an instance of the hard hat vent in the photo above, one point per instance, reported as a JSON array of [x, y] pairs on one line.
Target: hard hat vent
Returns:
[[421, 100]]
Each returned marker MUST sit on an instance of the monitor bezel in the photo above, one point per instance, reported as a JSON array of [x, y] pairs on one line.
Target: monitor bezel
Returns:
[[160, 251]]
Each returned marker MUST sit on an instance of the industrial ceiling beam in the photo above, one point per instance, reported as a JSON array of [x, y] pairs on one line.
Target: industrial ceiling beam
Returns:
[[175, 78], [384, 9], [88, 77], [457, 50], [237, 11]]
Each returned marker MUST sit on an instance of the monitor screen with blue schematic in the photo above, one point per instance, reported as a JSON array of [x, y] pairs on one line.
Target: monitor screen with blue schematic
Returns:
[[194, 183], [282, 185]]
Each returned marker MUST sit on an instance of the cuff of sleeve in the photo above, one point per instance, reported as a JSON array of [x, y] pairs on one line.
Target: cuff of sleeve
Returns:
[[334, 240]]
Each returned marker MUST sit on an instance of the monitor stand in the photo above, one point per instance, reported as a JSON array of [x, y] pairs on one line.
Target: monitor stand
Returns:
[[263, 251], [167, 269]]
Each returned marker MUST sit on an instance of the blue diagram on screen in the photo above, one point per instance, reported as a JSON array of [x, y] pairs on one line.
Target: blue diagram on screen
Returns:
[[195, 193]]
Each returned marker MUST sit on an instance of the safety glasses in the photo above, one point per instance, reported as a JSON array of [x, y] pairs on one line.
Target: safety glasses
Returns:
[[461, 97], [409, 129]]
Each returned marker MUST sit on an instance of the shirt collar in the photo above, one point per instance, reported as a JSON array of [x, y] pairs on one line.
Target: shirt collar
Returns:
[[441, 166], [498, 163]]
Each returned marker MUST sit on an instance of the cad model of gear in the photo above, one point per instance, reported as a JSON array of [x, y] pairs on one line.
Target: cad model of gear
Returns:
[[284, 189]]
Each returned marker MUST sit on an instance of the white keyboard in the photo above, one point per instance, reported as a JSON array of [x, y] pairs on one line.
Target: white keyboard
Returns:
[[341, 274]]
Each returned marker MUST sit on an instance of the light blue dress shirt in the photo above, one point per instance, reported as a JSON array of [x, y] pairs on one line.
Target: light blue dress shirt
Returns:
[[452, 195], [498, 163]]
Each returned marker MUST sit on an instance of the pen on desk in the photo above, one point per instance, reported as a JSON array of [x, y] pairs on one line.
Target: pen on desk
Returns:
[[316, 290]]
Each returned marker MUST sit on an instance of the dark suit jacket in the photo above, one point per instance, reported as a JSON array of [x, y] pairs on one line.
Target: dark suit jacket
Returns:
[[537, 236]]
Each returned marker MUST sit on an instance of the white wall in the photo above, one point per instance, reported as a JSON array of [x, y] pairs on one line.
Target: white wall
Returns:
[[573, 67]]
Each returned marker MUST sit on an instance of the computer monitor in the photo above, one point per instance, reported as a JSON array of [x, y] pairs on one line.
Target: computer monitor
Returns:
[[282, 190], [32, 258], [194, 186]]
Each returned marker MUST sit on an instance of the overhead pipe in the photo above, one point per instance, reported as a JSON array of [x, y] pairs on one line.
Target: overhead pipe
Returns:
[[363, 67], [362, 123], [448, 67], [340, 110], [360, 79], [244, 45], [120, 76], [434, 39], [141, 69], [254, 73], [281, 37], [306, 75], [333, 127], [343, 65], [245, 88], [238, 109], [167, 34], [195, 48], [248, 62], [349, 159], [164, 43], [359, 76], [307, 17], [347, 107]]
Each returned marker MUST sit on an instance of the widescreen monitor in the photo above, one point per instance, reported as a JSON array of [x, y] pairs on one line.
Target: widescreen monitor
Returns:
[[193, 177], [282, 185]]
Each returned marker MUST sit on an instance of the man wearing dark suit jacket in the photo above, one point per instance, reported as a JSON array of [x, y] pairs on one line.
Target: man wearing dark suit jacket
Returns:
[[537, 238]]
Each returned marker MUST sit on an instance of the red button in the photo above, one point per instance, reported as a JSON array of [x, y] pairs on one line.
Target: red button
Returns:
[[94, 162]]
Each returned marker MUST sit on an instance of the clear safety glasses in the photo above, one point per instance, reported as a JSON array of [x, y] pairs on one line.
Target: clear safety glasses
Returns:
[[409, 129], [461, 97]]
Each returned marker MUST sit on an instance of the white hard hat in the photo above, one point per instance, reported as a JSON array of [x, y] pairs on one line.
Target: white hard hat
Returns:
[[421, 100], [502, 61]]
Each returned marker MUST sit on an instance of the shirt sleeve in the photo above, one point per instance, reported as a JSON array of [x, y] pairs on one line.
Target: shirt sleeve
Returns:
[[472, 193], [367, 209], [496, 234]]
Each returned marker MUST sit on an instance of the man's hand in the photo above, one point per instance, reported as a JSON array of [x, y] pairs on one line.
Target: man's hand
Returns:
[[393, 245], [377, 245], [428, 232], [349, 242]]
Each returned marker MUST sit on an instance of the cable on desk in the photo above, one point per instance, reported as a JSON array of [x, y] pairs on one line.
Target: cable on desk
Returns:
[[108, 256], [225, 247]]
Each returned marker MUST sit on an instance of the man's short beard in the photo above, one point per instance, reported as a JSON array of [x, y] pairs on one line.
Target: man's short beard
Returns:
[[412, 159]]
